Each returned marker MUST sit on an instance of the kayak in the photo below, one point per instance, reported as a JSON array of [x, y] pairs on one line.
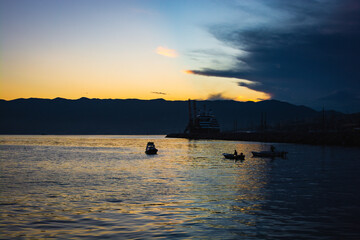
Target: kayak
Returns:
[[232, 156], [269, 154]]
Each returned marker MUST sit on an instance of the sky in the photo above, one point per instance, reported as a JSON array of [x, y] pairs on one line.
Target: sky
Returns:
[[303, 52]]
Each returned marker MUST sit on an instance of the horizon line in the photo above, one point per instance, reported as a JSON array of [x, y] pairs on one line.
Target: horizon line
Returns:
[[74, 99]]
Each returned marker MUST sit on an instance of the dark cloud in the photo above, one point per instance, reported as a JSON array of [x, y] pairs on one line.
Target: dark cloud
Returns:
[[220, 73], [243, 84], [314, 54], [218, 96], [159, 93], [248, 84], [346, 100]]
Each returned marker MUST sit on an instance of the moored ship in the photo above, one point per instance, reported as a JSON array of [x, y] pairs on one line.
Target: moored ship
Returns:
[[202, 122]]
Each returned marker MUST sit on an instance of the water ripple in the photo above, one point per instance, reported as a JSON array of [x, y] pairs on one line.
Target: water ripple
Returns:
[[106, 187]]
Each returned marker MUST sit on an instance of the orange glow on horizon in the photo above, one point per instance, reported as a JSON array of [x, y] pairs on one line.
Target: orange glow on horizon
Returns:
[[265, 96]]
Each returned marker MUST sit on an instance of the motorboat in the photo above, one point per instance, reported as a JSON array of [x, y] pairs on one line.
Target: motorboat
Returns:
[[150, 148], [233, 156], [270, 154]]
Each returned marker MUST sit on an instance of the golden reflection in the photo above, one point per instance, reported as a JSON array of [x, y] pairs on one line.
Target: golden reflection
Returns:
[[241, 185], [99, 184]]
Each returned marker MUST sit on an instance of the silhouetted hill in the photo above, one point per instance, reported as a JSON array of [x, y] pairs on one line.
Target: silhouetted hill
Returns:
[[133, 116]]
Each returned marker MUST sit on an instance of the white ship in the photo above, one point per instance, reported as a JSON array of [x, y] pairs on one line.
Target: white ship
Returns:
[[202, 121]]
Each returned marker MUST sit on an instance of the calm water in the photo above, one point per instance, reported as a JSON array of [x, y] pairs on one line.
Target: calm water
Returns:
[[106, 187]]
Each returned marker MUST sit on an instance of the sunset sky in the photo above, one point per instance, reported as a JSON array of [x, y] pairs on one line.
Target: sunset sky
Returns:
[[304, 52]]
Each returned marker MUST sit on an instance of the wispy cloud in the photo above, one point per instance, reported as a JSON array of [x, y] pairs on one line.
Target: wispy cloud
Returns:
[[159, 93], [188, 72], [167, 52], [247, 83], [218, 96]]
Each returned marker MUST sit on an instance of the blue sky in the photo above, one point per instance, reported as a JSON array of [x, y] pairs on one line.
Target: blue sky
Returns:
[[304, 52]]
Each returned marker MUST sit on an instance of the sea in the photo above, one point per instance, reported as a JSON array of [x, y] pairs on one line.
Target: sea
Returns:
[[106, 187]]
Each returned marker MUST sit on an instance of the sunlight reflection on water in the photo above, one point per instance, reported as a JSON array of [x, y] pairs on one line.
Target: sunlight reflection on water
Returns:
[[106, 187]]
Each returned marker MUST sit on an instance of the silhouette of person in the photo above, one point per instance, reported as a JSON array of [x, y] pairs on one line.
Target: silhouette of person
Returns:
[[272, 148], [235, 152]]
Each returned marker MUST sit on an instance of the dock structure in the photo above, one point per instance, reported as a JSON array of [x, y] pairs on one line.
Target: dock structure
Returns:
[[203, 125]]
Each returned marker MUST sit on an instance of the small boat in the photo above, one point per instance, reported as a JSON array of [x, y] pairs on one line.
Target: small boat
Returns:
[[269, 154], [233, 156], [150, 148]]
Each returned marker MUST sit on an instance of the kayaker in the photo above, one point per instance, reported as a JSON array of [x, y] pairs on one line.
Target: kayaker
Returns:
[[235, 153]]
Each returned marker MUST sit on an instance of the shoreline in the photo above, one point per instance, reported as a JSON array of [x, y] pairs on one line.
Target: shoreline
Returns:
[[351, 139]]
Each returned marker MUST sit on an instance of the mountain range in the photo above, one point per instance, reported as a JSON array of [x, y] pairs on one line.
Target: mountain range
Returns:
[[133, 116]]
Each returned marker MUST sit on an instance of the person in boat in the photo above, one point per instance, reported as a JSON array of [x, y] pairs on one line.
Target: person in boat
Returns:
[[242, 155], [235, 153], [272, 148]]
